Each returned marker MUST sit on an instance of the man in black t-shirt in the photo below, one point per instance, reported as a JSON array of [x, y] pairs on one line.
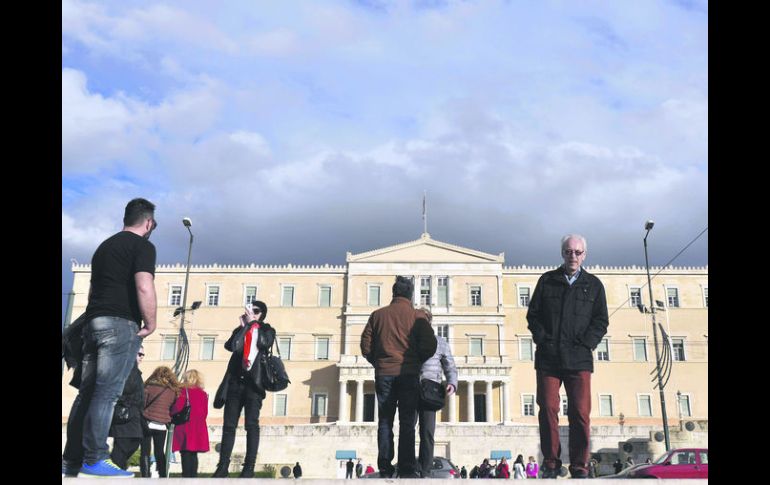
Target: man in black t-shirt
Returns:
[[122, 295]]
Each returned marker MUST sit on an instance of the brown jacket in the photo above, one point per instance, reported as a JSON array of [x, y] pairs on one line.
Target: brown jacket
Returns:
[[398, 339], [160, 408]]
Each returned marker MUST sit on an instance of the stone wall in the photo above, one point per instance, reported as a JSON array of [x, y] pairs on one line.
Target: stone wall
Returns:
[[314, 445]]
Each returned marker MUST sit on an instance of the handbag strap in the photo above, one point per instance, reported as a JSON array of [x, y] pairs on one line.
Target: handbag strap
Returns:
[[156, 397]]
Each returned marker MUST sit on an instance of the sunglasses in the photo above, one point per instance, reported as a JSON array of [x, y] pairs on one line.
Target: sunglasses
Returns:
[[140, 354]]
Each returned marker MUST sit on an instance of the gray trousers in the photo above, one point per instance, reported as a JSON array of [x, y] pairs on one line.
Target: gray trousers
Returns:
[[427, 430]]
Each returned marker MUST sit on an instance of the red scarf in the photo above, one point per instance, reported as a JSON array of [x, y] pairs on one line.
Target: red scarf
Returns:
[[249, 354]]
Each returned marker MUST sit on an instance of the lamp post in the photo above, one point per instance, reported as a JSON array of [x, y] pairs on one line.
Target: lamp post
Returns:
[[187, 223], [182, 355], [648, 227]]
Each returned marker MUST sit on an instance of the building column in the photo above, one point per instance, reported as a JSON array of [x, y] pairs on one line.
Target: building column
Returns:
[[471, 410], [488, 401], [342, 414], [453, 407], [359, 400], [506, 403]]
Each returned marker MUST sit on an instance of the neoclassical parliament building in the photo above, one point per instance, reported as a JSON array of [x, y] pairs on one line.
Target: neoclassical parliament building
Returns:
[[328, 412]]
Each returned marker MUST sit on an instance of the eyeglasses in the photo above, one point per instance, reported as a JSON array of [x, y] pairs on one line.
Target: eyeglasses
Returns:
[[570, 252], [140, 354]]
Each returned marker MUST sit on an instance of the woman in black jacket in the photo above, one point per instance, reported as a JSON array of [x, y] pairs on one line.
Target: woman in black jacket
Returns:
[[242, 388], [128, 435]]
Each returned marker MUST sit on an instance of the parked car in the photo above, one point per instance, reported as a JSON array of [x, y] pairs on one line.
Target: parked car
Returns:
[[677, 463], [442, 468]]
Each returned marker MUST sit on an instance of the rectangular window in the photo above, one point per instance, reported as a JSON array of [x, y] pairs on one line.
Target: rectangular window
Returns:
[[677, 345], [523, 296], [284, 346], [640, 350], [564, 406], [443, 331], [706, 296], [175, 295], [603, 350], [207, 348], [443, 291], [645, 405], [279, 404], [425, 290], [635, 296], [168, 351], [374, 295], [684, 405], [476, 346], [249, 294], [605, 405], [322, 348], [673, 297], [325, 296], [287, 296], [527, 405], [475, 296], [213, 296], [319, 404], [525, 348]]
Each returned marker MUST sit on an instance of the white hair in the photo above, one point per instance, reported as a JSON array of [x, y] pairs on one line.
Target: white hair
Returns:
[[574, 236]]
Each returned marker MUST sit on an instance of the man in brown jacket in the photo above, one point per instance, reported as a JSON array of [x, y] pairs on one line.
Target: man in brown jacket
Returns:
[[396, 341]]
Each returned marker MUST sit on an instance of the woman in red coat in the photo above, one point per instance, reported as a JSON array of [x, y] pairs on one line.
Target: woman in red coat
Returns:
[[191, 437]]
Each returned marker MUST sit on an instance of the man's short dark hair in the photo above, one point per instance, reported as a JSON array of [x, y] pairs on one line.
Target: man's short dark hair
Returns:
[[403, 287], [137, 210]]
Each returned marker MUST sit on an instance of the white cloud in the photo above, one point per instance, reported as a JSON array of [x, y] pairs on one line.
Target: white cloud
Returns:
[[84, 235], [97, 130]]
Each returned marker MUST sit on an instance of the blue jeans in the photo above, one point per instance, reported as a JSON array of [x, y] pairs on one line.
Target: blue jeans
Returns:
[[402, 392], [110, 345]]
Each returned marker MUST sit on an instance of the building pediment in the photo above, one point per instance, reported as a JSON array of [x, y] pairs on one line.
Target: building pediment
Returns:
[[424, 250]]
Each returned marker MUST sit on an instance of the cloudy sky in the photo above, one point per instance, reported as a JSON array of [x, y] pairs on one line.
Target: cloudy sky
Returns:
[[294, 131]]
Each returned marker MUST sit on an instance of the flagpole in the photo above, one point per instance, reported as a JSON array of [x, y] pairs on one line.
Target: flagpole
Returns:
[[424, 213]]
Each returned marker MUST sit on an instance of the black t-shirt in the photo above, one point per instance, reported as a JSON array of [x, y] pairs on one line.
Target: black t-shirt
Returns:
[[113, 266]]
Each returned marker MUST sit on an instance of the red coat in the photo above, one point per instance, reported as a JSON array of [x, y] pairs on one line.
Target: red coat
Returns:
[[194, 434]]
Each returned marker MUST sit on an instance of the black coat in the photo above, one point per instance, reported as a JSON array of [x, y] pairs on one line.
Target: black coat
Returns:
[[133, 395], [567, 322], [265, 339]]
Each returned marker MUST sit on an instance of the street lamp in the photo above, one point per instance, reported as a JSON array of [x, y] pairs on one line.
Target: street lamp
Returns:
[[183, 353], [648, 227]]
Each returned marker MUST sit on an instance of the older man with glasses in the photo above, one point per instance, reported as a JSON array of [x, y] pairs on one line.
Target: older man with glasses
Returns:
[[568, 318]]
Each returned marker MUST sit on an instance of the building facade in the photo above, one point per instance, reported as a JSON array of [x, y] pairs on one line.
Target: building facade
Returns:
[[479, 305]]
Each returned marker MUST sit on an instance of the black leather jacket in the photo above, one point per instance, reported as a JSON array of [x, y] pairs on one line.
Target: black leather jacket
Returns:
[[567, 322], [265, 339]]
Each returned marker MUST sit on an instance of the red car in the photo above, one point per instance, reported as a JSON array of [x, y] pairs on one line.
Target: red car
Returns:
[[678, 463]]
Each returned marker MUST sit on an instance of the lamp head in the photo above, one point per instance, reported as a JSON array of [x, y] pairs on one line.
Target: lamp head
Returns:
[[648, 225], [187, 222]]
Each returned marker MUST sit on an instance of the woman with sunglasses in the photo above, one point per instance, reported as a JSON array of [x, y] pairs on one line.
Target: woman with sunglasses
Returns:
[[128, 435]]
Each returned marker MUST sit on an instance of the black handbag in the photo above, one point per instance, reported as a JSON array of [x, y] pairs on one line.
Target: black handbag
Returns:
[[432, 395], [121, 414], [183, 415], [221, 394], [274, 376]]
